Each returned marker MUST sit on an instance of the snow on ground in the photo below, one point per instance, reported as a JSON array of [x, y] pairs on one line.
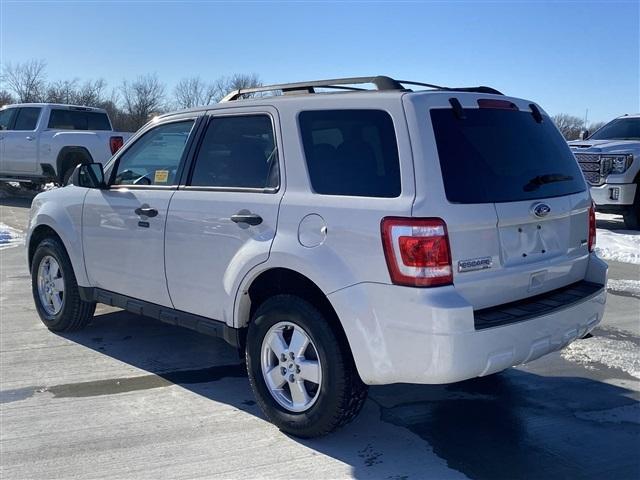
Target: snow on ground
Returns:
[[631, 287], [618, 245], [613, 353], [9, 237]]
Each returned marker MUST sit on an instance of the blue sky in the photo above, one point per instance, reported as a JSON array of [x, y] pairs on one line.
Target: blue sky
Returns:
[[568, 56]]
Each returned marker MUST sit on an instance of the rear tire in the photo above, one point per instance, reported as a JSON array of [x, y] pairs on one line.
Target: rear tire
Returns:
[[337, 394], [55, 290]]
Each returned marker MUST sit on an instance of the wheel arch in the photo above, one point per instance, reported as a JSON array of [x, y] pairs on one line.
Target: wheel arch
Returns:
[[278, 281], [70, 156]]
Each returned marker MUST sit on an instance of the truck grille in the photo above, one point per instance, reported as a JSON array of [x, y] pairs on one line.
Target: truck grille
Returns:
[[593, 168]]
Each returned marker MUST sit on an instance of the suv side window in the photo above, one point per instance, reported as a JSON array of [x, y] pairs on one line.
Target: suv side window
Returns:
[[6, 117], [27, 118], [237, 152], [155, 157], [351, 152]]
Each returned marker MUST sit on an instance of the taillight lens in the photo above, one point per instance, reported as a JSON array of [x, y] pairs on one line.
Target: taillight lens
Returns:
[[115, 143], [417, 251], [592, 227]]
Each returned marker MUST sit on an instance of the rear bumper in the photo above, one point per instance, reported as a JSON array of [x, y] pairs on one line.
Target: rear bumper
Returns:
[[412, 335], [604, 197]]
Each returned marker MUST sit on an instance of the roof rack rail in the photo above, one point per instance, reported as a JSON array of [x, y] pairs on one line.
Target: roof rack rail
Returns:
[[380, 81]]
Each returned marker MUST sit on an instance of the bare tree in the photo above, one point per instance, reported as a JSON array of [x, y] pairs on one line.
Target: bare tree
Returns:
[[26, 80], [192, 92], [569, 126], [236, 81], [142, 99], [62, 91], [6, 98]]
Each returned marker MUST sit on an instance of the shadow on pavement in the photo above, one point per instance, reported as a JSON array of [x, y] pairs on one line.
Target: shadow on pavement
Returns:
[[511, 425]]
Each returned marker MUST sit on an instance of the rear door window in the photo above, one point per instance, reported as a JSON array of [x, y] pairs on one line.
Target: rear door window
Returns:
[[237, 152], [351, 152], [27, 118], [496, 155], [62, 119]]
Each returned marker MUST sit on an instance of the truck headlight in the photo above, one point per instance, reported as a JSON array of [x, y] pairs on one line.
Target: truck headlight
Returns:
[[617, 163]]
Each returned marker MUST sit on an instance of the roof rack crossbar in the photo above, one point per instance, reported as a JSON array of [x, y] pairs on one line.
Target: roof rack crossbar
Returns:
[[381, 82]]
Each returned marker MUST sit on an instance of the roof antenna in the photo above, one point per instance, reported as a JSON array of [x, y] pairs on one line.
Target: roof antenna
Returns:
[[457, 108]]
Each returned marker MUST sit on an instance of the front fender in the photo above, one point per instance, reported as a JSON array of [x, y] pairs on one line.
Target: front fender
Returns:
[[61, 210]]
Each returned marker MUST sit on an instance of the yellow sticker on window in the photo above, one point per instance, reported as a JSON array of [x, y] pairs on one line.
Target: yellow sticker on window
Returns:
[[161, 176]]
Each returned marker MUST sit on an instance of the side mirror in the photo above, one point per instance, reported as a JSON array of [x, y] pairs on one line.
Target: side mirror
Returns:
[[89, 175], [584, 134]]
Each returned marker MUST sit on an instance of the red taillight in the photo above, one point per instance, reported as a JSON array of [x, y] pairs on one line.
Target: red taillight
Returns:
[[115, 143], [592, 227], [417, 251], [493, 103]]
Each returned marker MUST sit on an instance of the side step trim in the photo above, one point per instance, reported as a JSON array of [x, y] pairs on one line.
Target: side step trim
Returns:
[[204, 325]]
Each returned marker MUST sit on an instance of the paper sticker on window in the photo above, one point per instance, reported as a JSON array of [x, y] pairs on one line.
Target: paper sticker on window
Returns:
[[161, 176]]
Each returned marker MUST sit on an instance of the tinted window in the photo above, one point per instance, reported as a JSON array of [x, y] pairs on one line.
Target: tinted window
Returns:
[[6, 117], [502, 156], [238, 151], [351, 152], [154, 158], [27, 118], [620, 129], [78, 120]]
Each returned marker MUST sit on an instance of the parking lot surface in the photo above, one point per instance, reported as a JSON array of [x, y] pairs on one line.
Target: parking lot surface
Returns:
[[129, 397]]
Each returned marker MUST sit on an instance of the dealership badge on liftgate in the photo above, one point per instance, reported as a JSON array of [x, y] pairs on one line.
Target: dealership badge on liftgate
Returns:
[[472, 264]]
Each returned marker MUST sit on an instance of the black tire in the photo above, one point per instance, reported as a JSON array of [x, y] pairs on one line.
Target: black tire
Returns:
[[632, 216], [341, 395], [75, 312]]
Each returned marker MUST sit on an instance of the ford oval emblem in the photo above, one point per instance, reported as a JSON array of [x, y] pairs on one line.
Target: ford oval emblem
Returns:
[[541, 210]]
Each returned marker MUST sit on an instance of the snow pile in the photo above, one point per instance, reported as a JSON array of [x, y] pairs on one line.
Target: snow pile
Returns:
[[618, 245], [621, 354], [9, 237]]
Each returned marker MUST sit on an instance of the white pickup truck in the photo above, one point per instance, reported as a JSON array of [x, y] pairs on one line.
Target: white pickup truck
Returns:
[[43, 142], [610, 161]]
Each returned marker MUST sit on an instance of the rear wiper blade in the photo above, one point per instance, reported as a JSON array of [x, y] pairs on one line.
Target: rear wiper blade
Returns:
[[538, 181]]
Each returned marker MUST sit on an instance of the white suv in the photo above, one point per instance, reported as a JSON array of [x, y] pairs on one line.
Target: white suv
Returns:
[[339, 240]]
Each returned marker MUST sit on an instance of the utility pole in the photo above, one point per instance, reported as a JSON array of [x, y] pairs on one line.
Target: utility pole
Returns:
[[586, 115]]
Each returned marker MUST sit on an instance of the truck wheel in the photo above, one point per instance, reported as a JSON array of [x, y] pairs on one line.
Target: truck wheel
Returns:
[[55, 290], [303, 379], [632, 216]]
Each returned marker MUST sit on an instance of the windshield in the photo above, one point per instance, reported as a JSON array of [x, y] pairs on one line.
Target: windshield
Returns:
[[494, 155], [619, 129]]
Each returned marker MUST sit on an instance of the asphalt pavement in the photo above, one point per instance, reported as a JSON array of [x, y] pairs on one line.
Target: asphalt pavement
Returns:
[[129, 397]]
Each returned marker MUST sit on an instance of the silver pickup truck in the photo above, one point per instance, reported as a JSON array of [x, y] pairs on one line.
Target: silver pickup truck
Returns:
[[610, 161], [43, 142]]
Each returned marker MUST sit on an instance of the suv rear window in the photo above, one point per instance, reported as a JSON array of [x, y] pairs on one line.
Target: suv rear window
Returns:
[[78, 120], [495, 155], [351, 152]]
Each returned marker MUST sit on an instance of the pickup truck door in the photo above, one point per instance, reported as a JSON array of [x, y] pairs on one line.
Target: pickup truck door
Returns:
[[222, 221], [20, 142], [124, 225]]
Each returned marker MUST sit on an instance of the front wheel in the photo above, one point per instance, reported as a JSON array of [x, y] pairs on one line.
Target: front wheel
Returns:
[[304, 380], [632, 216], [55, 290]]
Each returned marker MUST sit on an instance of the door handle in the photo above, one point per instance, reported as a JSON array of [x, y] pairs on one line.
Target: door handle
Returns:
[[146, 211], [248, 218], [29, 138]]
